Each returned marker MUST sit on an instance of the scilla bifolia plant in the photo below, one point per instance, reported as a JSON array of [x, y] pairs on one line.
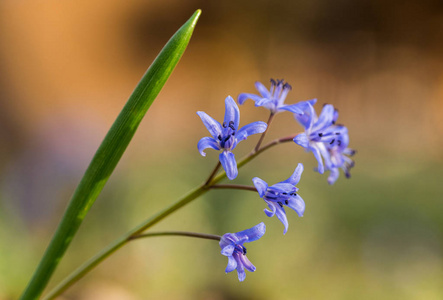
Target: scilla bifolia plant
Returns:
[[328, 141]]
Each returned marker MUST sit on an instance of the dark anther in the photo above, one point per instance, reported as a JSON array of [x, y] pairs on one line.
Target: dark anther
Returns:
[[320, 134], [286, 202], [281, 204], [339, 142], [273, 81], [337, 133], [219, 137], [224, 125], [287, 86], [333, 122], [294, 194], [333, 140], [284, 193], [280, 81], [244, 251]]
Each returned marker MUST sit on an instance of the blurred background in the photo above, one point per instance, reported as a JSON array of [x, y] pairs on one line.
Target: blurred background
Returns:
[[67, 68]]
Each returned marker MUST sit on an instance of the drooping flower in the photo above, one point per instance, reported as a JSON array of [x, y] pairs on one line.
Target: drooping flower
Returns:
[[226, 137], [232, 247], [272, 99], [327, 141], [338, 155], [282, 194]]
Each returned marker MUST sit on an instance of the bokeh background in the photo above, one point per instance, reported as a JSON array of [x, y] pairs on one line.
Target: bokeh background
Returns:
[[67, 68]]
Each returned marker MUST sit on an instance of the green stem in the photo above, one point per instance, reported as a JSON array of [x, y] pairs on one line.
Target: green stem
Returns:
[[102, 255], [178, 233], [271, 116], [234, 186]]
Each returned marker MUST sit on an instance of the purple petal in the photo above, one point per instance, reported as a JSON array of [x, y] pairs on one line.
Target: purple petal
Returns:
[[232, 264], [281, 215], [264, 102], [247, 264], [241, 272], [228, 162], [295, 177], [245, 96], [260, 185], [250, 129], [207, 142], [297, 204], [308, 117], [294, 108], [212, 125], [302, 140], [228, 250], [272, 206], [232, 113], [316, 151], [325, 119], [262, 90], [333, 176], [251, 234], [282, 187]]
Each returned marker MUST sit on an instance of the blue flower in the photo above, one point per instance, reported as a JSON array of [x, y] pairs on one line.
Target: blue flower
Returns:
[[232, 247], [338, 153], [282, 194], [327, 141], [272, 99], [226, 137]]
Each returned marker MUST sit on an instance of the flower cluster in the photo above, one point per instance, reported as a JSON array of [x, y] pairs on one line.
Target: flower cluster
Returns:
[[327, 140]]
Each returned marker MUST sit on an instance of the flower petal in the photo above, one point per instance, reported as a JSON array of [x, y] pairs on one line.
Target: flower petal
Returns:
[[295, 177], [232, 264], [316, 151], [308, 117], [241, 272], [212, 125], [302, 140], [333, 176], [325, 119], [232, 113], [247, 264], [245, 96], [293, 108], [262, 90], [272, 206], [297, 204], [228, 250], [228, 162], [260, 185], [281, 215], [251, 234], [250, 129], [207, 142]]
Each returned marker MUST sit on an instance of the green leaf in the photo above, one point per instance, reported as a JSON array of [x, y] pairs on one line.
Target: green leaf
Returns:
[[109, 154]]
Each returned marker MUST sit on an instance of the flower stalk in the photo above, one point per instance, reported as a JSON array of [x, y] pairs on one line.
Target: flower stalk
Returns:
[[129, 236]]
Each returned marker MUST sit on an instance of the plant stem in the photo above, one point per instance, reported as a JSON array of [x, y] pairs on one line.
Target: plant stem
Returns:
[[233, 186], [217, 167], [114, 246], [178, 233], [262, 137]]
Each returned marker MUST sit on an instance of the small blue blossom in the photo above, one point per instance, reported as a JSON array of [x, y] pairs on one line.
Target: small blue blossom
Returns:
[[282, 194], [272, 99], [226, 137], [232, 247], [327, 141]]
